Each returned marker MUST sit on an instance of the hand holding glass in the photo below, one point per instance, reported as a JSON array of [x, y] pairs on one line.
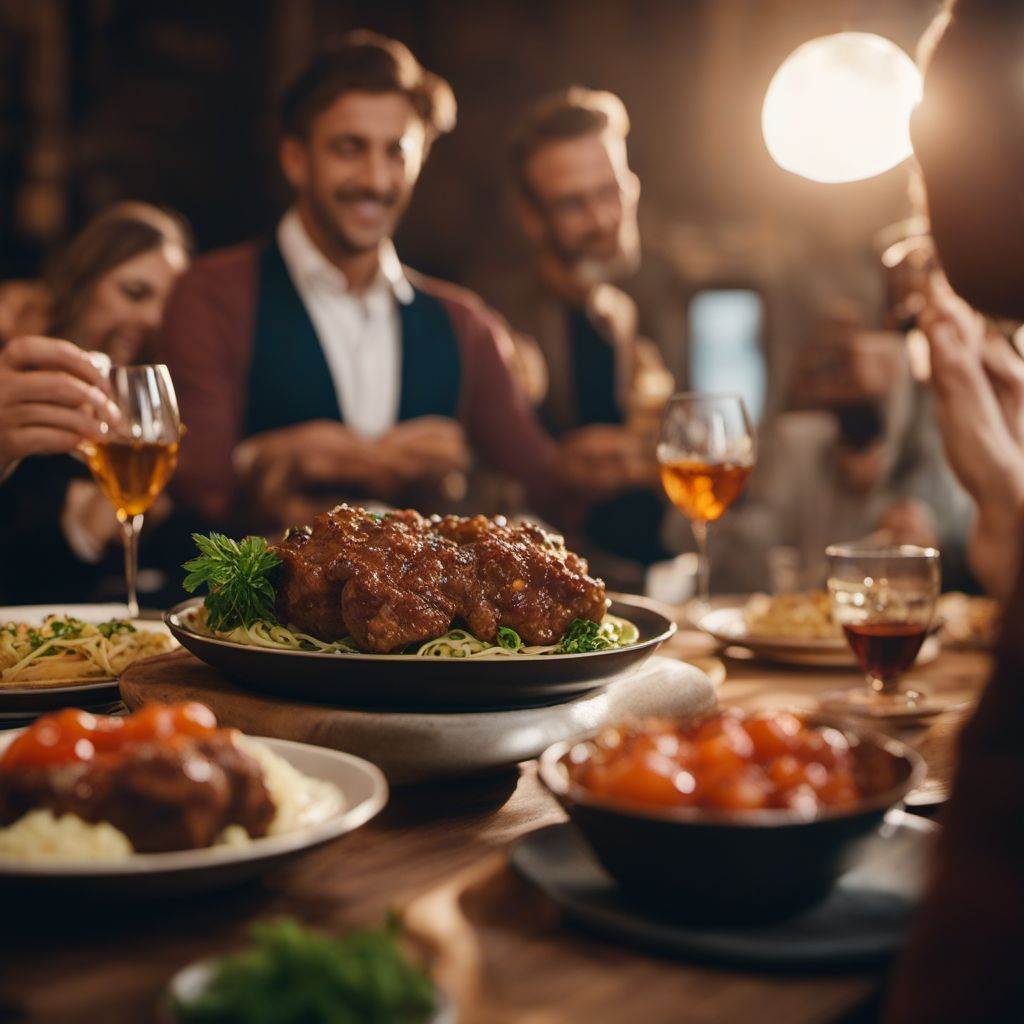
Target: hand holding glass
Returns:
[[133, 461], [706, 452]]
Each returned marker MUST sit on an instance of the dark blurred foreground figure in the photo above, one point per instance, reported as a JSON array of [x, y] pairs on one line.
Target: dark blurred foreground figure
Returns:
[[600, 386], [315, 366], [963, 962], [105, 293]]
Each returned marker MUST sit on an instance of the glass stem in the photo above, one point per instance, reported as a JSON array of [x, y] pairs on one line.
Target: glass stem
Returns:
[[700, 535], [130, 527], [884, 687]]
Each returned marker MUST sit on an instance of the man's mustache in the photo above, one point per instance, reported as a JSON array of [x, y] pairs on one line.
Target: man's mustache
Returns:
[[366, 195], [598, 238]]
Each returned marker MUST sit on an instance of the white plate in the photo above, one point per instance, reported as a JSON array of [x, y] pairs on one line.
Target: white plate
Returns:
[[728, 626], [364, 792], [36, 613], [33, 700]]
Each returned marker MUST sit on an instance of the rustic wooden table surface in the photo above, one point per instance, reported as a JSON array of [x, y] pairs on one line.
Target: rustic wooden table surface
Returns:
[[438, 852]]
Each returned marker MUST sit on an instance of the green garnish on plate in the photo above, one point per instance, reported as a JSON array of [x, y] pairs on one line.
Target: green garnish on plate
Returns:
[[585, 635], [292, 975], [509, 639], [237, 576]]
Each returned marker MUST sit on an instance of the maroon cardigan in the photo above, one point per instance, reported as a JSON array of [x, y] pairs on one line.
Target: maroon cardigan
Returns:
[[207, 343]]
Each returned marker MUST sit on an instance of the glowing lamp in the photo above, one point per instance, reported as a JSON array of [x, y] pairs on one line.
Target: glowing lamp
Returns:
[[838, 109]]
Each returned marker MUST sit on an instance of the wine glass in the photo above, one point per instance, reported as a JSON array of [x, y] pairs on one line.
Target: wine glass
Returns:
[[134, 459], [706, 452], [884, 599]]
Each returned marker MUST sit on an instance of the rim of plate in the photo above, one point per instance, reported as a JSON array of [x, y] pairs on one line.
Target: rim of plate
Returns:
[[341, 822], [173, 618], [708, 623]]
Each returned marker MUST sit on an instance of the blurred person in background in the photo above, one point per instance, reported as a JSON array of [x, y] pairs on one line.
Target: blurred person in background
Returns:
[[598, 385], [316, 367], [105, 293], [963, 960], [862, 458]]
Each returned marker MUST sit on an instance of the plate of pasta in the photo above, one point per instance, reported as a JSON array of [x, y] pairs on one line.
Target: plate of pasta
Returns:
[[455, 671], [51, 652], [397, 610]]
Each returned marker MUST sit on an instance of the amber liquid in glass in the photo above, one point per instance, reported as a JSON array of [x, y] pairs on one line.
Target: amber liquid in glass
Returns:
[[885, 650], [132, 474], [703, 491]]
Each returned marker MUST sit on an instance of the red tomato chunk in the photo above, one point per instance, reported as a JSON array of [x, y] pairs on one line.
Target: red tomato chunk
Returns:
[[726, 761]]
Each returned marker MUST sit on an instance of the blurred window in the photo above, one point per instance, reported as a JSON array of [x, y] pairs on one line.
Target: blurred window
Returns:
[[726, 350]]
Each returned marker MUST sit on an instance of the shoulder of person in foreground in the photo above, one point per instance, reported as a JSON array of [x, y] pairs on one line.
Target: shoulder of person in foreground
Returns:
[[205, 340], [962, 962]]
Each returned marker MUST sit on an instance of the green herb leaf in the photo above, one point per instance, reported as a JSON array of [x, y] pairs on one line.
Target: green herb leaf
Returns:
[[582, 636], [237, 577], [114, 626], [294, 974], [509, 639]]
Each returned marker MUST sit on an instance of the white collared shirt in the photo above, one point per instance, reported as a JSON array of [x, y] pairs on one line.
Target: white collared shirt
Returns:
[[361, 335]]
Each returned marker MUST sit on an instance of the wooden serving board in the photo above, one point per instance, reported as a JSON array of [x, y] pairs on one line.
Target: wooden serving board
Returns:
[[417, 747]]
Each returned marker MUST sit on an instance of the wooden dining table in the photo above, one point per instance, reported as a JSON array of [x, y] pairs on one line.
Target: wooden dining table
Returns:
[[438, 854]]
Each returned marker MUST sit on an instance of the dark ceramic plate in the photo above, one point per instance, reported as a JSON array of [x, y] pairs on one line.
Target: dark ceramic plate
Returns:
[[864, 920], [413, 683]]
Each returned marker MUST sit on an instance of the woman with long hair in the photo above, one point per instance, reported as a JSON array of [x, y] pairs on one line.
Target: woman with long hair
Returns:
[[100, 302]]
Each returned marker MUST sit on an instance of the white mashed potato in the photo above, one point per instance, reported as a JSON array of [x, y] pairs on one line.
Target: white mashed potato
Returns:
[[41, 837], [300, 800]]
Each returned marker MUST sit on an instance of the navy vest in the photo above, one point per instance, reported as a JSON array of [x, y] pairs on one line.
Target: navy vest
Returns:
[[593, 368], [290, 383]]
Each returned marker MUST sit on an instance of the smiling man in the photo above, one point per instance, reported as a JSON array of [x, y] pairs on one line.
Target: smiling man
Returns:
[[315, 366], [602, 385]]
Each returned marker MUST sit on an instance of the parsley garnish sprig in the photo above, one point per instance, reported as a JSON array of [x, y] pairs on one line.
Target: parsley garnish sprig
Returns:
[[293, 973], [237, 576], [582, 636]]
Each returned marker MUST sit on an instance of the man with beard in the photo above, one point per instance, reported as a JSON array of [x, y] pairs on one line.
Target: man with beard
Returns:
[[598, 384], [315, 366]]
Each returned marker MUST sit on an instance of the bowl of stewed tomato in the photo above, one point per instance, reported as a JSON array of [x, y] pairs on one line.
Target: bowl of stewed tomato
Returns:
[[729, 818]]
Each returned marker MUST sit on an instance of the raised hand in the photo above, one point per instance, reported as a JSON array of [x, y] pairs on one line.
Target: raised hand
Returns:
[[52, 396], [978, 381], [602, 460]]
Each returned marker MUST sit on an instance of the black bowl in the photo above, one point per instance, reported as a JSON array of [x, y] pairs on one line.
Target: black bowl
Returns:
[[733, 868]]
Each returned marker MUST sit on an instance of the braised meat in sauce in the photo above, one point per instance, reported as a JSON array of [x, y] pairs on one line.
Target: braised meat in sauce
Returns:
[[393, 580], [167, 777]]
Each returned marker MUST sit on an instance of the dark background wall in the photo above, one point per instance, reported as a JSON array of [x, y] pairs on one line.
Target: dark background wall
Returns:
[[172, 101]]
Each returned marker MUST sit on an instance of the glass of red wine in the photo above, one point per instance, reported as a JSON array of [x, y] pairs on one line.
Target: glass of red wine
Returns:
[[884, 600]]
